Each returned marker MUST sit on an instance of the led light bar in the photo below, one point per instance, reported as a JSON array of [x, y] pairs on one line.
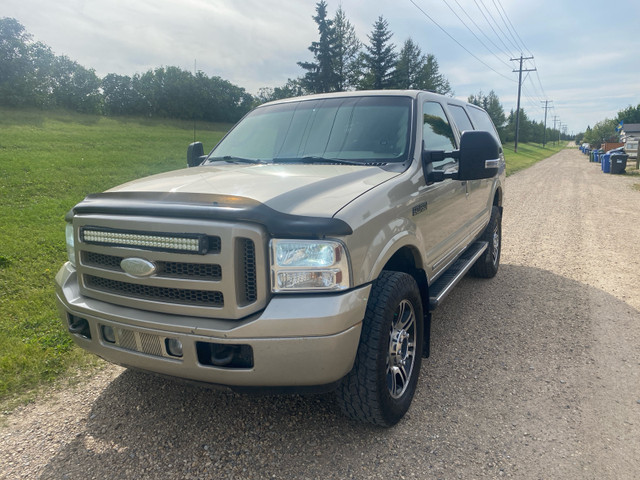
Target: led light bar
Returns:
[[191, 243]]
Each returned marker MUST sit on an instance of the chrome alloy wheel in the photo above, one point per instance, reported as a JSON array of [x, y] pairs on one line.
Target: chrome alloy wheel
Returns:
[[402, 349], [495, 252]]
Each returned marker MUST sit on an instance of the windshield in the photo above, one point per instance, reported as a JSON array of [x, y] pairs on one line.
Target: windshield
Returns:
[[354, 130]]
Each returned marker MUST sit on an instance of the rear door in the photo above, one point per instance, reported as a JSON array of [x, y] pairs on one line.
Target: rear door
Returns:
[[480, 200]]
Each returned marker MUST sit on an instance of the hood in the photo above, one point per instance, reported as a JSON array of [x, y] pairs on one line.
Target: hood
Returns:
[[298, 189]]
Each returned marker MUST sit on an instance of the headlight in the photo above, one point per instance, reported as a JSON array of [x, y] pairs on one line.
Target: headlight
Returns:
[[308, 265], [71, 250]]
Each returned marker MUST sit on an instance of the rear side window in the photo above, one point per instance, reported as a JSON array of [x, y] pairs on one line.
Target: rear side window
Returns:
[[460, 117], [437, 133], [482, 121]]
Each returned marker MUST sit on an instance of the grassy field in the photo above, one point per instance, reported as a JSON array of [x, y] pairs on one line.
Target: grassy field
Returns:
[[528, 154], [48, 163]]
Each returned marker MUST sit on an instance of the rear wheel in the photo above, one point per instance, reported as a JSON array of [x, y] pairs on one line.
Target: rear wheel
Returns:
[[382, 383], [487, 265]]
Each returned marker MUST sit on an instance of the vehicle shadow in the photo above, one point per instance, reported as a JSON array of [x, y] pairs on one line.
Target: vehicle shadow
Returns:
[[507, 354]]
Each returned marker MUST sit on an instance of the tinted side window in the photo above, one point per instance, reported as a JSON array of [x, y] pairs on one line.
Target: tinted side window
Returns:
[[436, 131], [460, 117], [482, 121]]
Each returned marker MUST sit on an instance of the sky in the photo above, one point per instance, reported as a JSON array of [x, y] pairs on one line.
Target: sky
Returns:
[[586, 53]]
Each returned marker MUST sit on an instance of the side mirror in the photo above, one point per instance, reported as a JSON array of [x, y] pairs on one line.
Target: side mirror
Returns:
[[479, 155], [195, 154]]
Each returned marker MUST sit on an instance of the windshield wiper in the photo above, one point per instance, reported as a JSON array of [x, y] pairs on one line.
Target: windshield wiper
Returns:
[[232, 159], [312, 159]]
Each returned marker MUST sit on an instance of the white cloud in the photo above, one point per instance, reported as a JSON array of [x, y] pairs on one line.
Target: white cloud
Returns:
[[583, 57]]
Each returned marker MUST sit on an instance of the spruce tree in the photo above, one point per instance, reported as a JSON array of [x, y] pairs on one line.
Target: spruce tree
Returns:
[[409, 66], [347, 48], [431, 79], [379, 58], [320, 76]]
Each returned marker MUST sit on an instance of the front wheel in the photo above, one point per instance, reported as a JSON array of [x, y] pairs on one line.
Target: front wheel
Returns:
[[381, 385]]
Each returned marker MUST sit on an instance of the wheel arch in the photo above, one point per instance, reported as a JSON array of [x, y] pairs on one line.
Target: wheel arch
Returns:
[[497, 198], [407, 259]]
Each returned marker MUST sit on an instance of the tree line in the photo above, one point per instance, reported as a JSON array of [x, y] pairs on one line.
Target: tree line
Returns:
[[31, 75]]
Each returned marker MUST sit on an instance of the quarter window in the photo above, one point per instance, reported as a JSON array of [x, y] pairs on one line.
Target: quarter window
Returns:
[[482, 121]]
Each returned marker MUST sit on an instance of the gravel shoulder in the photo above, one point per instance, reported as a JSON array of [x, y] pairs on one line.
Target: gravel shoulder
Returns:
[[533, 374]]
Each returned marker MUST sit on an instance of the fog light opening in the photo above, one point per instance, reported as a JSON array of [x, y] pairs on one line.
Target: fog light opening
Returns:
[[108, 334], [79, 326], [224, 355], [174, 347]]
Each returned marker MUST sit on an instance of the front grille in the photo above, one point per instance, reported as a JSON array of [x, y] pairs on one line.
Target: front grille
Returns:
[[228, 281], [201, 271], [190, 270], [173, 295], [137, 341], [248, 250]]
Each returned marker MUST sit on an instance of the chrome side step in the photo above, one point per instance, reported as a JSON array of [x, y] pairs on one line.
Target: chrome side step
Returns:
[[443, 286]]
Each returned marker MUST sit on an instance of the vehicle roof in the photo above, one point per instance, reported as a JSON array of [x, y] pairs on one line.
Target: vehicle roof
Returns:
[[371, 93]]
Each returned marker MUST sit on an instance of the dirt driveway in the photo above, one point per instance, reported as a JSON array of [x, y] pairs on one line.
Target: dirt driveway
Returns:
[[534, 375]]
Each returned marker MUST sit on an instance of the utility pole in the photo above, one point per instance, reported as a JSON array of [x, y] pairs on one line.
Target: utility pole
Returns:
[[546, 107], [520, 70], [556, 118]]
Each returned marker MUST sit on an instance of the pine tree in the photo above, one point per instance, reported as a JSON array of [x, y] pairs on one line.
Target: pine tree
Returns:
[[431, 79], [347, 48], [320, 76], [379, 58], [409, 65]]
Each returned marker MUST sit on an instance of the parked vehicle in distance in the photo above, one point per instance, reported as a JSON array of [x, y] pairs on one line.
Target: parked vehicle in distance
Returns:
[[305, 252]]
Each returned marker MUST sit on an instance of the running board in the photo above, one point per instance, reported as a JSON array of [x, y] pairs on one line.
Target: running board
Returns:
[[445, 283]]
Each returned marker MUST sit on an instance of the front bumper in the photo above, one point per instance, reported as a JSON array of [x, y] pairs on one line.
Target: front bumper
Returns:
[[297, 340]]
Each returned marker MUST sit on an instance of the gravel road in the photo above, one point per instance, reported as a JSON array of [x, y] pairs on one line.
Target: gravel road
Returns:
[[534, 374]]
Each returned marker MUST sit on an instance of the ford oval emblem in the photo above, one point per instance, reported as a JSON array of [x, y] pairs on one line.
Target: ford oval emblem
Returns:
[[138, 267]]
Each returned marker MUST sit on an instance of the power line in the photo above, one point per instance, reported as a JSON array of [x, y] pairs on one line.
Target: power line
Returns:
[[507, 26], [482, 31], [459, 44], [472, 32], [514, 29], [490, 25]]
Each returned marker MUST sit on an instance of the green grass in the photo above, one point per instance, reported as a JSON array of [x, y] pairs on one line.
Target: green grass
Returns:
[[528, 154], [49, 162]]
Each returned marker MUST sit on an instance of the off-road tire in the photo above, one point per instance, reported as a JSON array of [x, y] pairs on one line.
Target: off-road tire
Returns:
[[487, 265], [371, 392]]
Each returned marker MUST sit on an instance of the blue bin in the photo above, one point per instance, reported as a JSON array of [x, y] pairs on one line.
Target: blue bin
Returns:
[[596, 156], [606, 163]]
